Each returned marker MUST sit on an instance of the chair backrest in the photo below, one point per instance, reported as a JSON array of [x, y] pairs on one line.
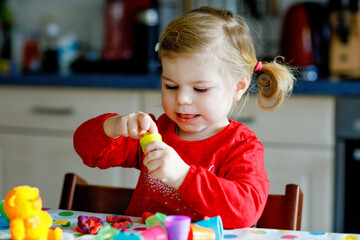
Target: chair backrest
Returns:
[[78, 195], [283, 211]]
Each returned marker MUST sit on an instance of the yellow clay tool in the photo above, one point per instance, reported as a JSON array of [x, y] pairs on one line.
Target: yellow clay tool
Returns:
[[148, 138]]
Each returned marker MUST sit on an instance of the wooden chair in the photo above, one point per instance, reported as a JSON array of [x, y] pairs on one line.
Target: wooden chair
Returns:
[[283, 211], [78, 195]]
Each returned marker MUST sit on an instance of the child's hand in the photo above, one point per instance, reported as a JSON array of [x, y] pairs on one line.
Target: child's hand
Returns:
[[165, 164], [133, 125]]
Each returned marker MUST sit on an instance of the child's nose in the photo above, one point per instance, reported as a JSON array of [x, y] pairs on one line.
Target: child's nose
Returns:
[[183, 97]]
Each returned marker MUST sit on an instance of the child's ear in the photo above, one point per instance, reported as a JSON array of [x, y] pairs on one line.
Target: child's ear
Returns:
[[241, 87]]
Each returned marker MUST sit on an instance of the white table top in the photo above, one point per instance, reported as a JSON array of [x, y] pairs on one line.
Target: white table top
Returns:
[[67, 220]]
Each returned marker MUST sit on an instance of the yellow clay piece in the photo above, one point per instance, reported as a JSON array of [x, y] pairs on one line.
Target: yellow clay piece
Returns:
[[148, 138]]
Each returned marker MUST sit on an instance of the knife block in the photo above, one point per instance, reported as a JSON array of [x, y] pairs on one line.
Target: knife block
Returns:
[[344, 58]]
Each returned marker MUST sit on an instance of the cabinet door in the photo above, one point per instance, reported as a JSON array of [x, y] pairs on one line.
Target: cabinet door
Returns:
[[152, 102], [2, 174], [36, 130], [299, 148], [59, 108], [305, 120], [42, 162], [312, 169]]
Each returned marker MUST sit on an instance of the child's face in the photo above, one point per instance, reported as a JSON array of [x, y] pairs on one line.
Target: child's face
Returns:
[[195, 95]]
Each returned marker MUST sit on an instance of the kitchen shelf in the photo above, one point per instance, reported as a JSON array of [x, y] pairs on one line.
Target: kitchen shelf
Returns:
[[341, 88], [126, 81]]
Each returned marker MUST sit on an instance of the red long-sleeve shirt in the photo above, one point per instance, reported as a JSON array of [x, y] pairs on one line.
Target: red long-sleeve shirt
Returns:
[[226, 176]]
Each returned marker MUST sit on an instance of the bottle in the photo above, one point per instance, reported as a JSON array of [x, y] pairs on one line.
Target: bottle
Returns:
[[50, 62], [31, 54], [118, 30], [6, 20], [68, 52], [146, 37]]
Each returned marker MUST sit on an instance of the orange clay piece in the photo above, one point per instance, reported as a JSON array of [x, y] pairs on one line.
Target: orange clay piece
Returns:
[[27, 221], [146, 215]]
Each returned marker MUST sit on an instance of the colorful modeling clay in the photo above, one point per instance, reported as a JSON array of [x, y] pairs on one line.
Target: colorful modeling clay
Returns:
[[154, 233], [89, 225], [2, 211], [156, 219], [148, 138], [4, 219], [200, 233], [107, 232], [146, 215], [130, 236], [4, 224], [214, 223], [27, 221], [120, 222]]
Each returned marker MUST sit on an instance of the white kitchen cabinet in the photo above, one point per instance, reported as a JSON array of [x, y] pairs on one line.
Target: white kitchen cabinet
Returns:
[[36, 130], [306, 120], [299, 148], [152, 103], [42, 161], [312, 169], [2, 174]]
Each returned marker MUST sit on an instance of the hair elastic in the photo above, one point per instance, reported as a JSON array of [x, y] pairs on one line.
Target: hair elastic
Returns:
[[258, 66], [157, 46]]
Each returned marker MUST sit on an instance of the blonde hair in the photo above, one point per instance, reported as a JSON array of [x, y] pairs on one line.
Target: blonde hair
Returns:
[[213, 30]]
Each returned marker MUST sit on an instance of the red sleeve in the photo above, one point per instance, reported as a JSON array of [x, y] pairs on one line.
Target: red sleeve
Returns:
[[239, 190], [98, 150]]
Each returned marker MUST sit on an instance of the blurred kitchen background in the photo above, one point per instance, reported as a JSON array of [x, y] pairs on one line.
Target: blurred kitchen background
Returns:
[[66, 36], [63, 62]]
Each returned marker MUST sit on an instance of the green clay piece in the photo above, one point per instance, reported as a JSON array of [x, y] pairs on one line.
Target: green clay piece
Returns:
[[2, 211]]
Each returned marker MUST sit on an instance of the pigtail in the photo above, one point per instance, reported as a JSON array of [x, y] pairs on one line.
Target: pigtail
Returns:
[[275, 82]]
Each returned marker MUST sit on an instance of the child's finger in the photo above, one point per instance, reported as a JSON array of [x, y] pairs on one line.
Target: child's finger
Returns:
[[153, 165], [142, 133], [146, 123], [154, 146], [122, 126], [153, 128], [152, 156], [133, 129]]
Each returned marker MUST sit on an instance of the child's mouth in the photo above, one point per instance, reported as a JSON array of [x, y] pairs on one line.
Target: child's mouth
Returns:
[[186, 118]]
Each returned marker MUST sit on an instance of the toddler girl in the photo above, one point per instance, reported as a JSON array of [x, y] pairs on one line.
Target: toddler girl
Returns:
[[207, 165]]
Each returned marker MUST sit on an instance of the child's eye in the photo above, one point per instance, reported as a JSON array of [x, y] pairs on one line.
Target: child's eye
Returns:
[[201, 89], [171, 87]]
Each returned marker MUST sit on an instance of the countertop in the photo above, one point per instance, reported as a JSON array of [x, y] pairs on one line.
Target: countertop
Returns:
[[340, 88]]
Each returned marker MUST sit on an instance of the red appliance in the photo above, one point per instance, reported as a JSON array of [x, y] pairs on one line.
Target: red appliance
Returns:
[[120, 21], [305, 34]]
